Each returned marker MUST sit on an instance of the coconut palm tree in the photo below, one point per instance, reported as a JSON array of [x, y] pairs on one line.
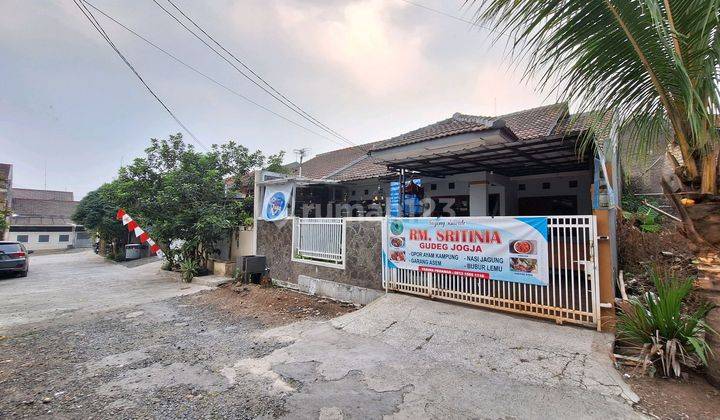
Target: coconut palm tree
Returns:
[[655, 63]]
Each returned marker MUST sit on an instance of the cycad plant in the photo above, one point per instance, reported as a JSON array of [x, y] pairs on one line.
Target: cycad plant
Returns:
[[189, 269], [663, 334], [654, 63]]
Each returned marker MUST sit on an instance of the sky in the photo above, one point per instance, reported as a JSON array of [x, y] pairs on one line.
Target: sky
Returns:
[[71, 112]]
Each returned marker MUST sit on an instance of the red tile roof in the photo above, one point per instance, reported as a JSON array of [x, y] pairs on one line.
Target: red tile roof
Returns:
[[353, 163], [457, 124], [42, 194], [33, 207], [364, 169], [535, 122]]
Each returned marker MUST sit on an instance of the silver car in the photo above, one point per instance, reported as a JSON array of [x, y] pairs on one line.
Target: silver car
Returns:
[[14, 258]]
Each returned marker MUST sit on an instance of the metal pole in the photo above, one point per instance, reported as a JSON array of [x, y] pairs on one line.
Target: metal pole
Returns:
[[402, 193]]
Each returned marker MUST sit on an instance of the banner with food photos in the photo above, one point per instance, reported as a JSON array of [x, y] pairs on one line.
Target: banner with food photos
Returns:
[[512, 249]]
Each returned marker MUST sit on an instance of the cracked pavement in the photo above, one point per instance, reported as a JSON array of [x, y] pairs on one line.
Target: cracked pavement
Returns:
[[435, 360], [128, 343]]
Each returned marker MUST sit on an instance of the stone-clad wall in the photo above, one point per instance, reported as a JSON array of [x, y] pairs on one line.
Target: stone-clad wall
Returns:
[[363, 250]]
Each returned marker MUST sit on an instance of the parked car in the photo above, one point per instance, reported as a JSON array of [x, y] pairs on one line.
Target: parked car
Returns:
[[14, 258]]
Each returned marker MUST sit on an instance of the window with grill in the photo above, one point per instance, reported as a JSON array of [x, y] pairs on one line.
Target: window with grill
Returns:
[[64, 238], [22, 238], [44, 238]]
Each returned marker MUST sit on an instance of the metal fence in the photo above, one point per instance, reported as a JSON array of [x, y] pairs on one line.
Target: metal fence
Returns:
[[319, 240], [572, 293]]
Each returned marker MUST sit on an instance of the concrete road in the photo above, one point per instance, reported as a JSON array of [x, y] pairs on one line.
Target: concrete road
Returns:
[[86, 338], [405, 357], [61, 284]]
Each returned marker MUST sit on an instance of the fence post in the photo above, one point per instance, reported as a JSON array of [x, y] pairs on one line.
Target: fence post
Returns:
[[604, 263], [428, 283], [383, 252]]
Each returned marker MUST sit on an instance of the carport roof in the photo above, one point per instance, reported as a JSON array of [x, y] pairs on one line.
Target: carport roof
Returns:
[[502, 155]]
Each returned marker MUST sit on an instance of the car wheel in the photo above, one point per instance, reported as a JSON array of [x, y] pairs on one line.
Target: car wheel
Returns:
[[24, 273]]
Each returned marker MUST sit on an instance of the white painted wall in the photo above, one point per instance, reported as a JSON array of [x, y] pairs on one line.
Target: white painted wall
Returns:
[[478, 184], [34, 243], [478, 198], [559, 185]]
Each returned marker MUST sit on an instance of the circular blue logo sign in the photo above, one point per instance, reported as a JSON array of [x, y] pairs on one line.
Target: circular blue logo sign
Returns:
[[276, 205]]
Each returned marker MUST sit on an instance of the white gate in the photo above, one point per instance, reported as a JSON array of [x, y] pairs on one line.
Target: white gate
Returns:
[[319, 240], [572, 293]]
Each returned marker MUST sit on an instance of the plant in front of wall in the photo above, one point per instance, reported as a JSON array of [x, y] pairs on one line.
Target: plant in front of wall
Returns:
[[4, 214], [166, 265], [649, 219], [248, 222], [645, 218], [189, 269], [656, 326]]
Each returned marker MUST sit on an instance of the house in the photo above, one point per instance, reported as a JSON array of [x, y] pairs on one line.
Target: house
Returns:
[[514, 213], [41, 219], [513, 180]]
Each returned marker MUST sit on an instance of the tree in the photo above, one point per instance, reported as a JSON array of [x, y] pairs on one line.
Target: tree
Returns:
[[5, 212], [654, 63], [179, 194], [275, 163], [97, 211]]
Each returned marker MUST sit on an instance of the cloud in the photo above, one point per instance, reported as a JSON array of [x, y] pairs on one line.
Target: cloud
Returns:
[[503, 87], [359, 40]]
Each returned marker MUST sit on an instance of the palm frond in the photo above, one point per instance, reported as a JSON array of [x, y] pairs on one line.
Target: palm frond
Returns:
[[653, 62]]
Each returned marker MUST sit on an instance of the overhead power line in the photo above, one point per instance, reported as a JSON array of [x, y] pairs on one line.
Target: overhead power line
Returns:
[[98, 27], [454, 17], [248, 73], [264, 82], [210, 78]]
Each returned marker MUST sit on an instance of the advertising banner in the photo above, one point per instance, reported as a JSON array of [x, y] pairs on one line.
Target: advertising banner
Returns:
[[276, 201], [500, 248], [394, 198]]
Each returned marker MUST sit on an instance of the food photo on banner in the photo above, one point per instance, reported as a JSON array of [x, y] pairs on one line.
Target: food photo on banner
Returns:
[[511, 249], [276, 202]]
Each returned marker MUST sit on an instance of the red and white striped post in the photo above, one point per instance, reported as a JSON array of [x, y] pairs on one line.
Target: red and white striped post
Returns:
[[132, 226]]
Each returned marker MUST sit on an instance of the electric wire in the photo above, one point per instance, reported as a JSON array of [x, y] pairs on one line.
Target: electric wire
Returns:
[[251, 79], [99, 28], [204, 75], [260, 78]]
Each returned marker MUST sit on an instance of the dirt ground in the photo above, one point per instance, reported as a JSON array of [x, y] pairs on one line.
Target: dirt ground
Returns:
[[690, 398], [273, 306], [162, 359]]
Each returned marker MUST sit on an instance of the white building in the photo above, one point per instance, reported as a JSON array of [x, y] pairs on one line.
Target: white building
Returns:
[[41, 220]]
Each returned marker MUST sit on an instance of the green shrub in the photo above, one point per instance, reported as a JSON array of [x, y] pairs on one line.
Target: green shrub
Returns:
[[116, 256], [249, 222], [656, 326], [189, 269], [647, 219]]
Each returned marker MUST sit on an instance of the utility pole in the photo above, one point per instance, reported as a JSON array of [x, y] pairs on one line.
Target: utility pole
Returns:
[[301, 153]]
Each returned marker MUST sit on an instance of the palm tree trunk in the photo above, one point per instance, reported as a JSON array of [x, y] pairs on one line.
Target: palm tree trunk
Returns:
[[681, 136], [709, 172], [687, 223]]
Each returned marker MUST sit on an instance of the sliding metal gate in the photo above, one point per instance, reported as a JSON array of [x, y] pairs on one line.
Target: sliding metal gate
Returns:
[[570, 296]]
